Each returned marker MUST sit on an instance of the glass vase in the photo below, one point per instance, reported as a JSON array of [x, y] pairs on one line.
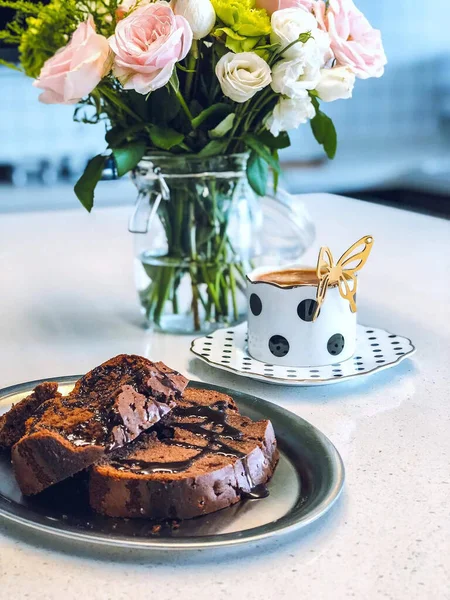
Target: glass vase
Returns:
[[197, 224]]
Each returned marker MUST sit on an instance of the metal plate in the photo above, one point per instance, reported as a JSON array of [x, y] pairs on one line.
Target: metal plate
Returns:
[[307, 481], [376, 350]]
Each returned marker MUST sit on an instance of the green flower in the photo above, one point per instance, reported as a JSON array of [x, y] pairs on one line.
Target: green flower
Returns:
[[242, 17], [45, 34], [235, 42], [40, 29]]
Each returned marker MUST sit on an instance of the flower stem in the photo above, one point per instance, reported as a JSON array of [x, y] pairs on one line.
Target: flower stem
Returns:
[[114, 99], [195, 300], [184, 106], [237, 122], [259, 105], [175, 303], [163, 293], [212, 292], [233, 293], [192, 60]]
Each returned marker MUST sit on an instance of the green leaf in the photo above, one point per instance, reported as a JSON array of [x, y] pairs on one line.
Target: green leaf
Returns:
[[138, 103], [117, 135], [85, 186], [213, 148], [10, 65], [223, 127], [219, 111], [324, 131], [257, 173], [128, 156], [275, 143], [163, 106], [165, 137], [175, 82], [160, 106], [257, 146], [196, 107]]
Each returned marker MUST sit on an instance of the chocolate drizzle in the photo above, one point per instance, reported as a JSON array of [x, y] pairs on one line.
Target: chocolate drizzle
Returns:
[[215, 415], [213, 427]]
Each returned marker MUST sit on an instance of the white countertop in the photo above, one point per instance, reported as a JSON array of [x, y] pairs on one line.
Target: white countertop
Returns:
[[67, 303]]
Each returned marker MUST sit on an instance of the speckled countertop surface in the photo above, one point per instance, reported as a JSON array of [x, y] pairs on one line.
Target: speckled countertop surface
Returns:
[[67, 303]]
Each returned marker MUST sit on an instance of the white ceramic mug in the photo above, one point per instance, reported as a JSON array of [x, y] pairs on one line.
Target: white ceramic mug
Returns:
[[280, 326]]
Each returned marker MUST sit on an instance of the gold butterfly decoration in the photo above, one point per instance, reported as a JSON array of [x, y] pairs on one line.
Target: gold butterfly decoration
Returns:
[[342, 274]]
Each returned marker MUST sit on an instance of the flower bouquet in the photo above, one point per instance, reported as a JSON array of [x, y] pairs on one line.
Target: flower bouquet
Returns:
[[197, 97]]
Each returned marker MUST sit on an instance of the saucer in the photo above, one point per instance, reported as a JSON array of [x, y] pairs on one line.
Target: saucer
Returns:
[[376, 350]]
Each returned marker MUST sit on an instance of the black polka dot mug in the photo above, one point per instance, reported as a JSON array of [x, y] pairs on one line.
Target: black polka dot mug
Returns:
[[300, 316], [286, 325]]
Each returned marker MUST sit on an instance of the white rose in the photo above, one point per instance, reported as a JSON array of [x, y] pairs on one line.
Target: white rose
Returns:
[[322, 41], [292, 77], [199, 14], [242, 75], [336, 84], [288, 24], [290, 113]]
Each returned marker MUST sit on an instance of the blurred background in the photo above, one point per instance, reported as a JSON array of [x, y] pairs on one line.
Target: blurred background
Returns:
[[394, 135]]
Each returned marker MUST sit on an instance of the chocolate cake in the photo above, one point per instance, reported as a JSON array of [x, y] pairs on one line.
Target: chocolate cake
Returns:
[[202, 457], [12, 423], [108, 408]]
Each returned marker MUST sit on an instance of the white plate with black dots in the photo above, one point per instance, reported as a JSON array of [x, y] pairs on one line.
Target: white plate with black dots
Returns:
[[376, 350]]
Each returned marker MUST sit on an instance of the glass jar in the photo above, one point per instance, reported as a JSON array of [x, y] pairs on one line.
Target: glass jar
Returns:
[[197, 225]]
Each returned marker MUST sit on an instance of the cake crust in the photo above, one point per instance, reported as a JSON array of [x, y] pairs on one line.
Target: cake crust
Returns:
[[202, 457], [108, 408], [12, 423]]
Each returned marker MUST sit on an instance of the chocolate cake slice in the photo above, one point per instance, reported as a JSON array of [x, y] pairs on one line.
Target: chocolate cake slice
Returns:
[[202, 457], [108, 408], [12, 423]]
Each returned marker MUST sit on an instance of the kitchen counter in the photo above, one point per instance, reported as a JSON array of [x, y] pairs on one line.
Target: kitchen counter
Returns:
[[68, 303]]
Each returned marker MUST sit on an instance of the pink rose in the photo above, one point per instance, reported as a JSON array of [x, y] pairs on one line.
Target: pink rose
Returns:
[[75, 70], [272, 5], [147, 44], [354, 41]]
